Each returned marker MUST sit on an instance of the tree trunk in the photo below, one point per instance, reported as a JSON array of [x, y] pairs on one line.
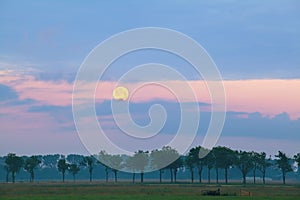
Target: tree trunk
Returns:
[[13, 176], [63, 176], [160, 175], [175, 175], [226, 175], [73, 177], [283, 177], [217, 175], [106, 175], [200, 174], [192, 175], [116, 176], [171, 175], [208, 175], [264, 175], [254, 176], [7, 175], [142, 177], [90, 175], [133, 177], [32, 176], [244, 178]]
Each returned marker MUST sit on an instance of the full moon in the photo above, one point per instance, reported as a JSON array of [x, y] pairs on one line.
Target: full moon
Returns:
[[120, 93]]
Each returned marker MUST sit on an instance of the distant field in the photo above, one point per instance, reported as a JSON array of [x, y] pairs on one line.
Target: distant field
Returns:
[[97, 190]]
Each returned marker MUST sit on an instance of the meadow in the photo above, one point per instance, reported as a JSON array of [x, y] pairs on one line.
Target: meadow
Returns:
[[103, 191]]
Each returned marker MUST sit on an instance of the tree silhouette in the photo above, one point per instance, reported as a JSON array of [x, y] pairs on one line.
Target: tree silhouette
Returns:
[[88, 161], [130, 165], [191, 160], [174, 166], [244, 163], [141, 161], [75, 158], [283, 164], [73, 169], [209, 160], [62, 167], [7, 173], [116, 164], [50, 161], [171, 156], [30, 164], [13, 164], [156, 159], [103, 159], [263, 164], [200, 154], [255, 162], [162, 159], [224, 159], [219, 157]]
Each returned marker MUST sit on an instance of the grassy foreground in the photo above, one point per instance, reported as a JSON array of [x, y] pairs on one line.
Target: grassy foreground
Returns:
[[93, 191]]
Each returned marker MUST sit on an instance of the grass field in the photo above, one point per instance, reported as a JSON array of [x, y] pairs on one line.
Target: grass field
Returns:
[[93, 191]]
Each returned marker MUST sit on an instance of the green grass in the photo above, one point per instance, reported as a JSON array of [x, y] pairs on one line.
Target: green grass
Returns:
[[141, 197], [93, 191]]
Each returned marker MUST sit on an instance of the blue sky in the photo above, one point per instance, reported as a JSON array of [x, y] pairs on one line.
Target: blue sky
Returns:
[[261, 38], [43, 43]]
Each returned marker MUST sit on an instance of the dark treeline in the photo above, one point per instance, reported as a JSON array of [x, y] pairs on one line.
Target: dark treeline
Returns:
[[221, 164]]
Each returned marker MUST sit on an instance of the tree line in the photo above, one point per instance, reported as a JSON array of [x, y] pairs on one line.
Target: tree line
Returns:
[[219, 158]]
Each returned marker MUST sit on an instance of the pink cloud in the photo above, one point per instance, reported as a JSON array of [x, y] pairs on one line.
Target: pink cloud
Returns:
[[269, 97], [53, 93]]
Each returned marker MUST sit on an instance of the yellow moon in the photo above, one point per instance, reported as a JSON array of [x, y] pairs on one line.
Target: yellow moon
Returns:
[[120, 93]]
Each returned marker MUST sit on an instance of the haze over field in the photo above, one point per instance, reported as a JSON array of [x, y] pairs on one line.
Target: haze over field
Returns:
[[255, 45]]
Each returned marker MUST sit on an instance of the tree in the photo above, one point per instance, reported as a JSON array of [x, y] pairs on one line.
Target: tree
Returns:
[[175, 166], [62, 167], [255, 161], [171, 156], [193, 159], [116, 164], [103, 159], [227, 161], [209, 161], [263, 164], [190, 162], [4, 166], [50, 161], [75, 158], [224, 158], [74, 169], [218, 157], [141, 161], [283, 164], [88, 161], [30, 164], [161, 159], [200, 153], [156, 160], [130, 165], [7, 173], [13, 164], [243, 161]]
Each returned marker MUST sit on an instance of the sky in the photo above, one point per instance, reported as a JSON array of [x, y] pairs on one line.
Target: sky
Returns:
[[255, 45]]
